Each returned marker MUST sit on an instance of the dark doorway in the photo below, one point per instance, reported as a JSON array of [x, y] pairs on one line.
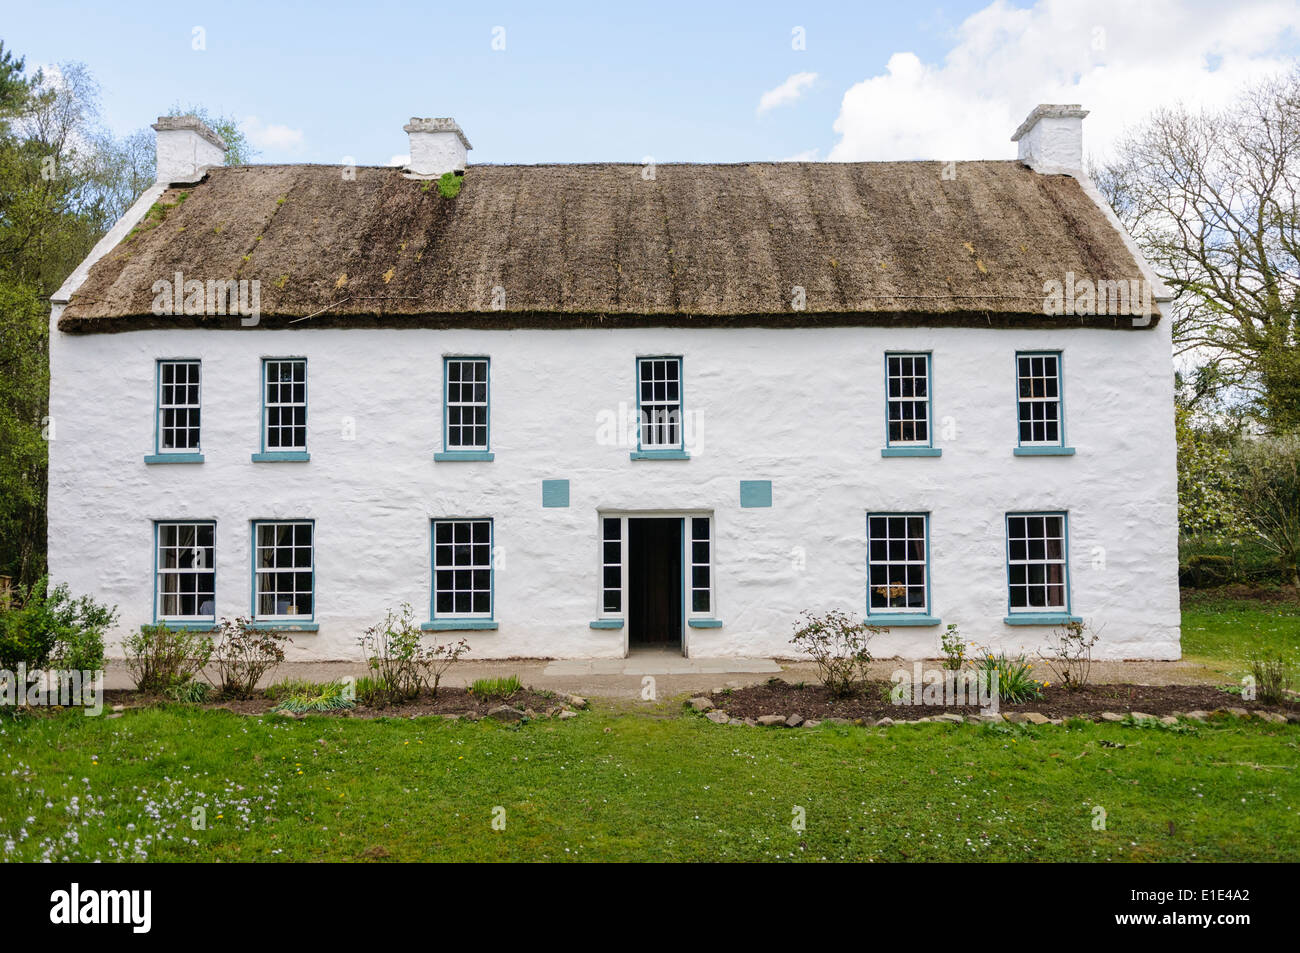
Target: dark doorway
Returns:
[[654, 581]]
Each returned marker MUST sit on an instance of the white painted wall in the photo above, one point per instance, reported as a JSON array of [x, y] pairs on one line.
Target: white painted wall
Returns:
[[802, 408]]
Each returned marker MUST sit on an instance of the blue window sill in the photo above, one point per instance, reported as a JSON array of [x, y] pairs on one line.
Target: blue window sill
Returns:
[[187, 626], [464, 456], [704, 623], [173, 458], [286, 625], [1041, 618], [1043, 451], [659, 455], [902, 618], [606, 624], [911, 451], [282, 456], [456, 625]]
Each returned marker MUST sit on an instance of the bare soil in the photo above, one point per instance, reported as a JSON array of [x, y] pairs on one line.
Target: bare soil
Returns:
[[777, 697], [450, 701]]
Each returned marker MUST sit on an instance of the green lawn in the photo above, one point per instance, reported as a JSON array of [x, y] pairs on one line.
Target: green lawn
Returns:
[[622, 785], [1223, 632]]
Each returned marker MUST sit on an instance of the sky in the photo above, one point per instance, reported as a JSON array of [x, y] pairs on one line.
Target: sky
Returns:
[[669, 81]]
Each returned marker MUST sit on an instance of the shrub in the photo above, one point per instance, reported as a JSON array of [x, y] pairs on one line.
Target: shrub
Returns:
[[496, 687], [839, 644], [242, 654], [1069, 657], [1272, 674], [43, 628], [1268, 472], [1015, 683], [189, 693], [160, 657], [400, 663], [330, 696], [954, 648]]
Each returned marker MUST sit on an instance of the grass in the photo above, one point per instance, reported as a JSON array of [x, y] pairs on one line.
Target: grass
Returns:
[[1222, 632], [503, 688], [624, 786]]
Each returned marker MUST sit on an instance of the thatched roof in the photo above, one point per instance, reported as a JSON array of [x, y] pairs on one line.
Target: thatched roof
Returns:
[[604, 245]]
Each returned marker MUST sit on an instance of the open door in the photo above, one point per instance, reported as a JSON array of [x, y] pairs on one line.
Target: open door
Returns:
[[654, 580]]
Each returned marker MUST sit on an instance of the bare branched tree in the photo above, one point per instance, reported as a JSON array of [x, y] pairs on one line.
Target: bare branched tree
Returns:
[[1211, 198]]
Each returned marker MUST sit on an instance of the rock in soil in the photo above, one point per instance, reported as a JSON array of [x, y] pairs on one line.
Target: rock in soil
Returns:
[[565, 715], [717, 717], [769, 721], [505, 713], [1111, 716], [701, 704], [794, 721]]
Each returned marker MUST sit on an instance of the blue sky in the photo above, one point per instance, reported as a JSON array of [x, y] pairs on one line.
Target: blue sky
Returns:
[[676, 81]]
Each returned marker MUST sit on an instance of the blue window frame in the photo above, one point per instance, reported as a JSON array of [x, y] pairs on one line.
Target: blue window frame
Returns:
[[284, 571], [1040, 402], [466, 409], [660, 409], [898, 569], [177, 411], [462, 587], [185, 575], [284, 410], [908, 420], [1038, 568]]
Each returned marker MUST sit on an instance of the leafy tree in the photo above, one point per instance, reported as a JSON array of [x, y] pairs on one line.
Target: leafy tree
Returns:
[[1268, 472]]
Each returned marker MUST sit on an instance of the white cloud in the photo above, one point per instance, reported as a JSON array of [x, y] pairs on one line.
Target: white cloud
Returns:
[[1117, 58], [789, 91], [400, 160], [272, 136], [807, 155]]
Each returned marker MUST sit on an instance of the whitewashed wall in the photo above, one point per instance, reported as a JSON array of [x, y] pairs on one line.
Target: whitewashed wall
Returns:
[[802, 408]]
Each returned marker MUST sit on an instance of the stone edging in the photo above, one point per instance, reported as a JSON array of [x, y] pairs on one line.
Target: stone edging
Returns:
[[718, 716]]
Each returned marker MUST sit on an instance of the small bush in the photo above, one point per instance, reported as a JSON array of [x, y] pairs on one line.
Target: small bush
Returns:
[[160, 657], [1015, 683], [839, 644], [400, 663], [242, 654], [47, 628], [496, 687], [1069, 657], [331, 696], [954, 648], [1272, 674]]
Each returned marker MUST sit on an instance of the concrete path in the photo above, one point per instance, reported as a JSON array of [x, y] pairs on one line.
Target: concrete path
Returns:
[[674, 675]]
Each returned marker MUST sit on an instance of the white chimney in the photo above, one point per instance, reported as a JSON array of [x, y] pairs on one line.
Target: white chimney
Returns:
[[437, 146], [1051, 138], [186, 148]]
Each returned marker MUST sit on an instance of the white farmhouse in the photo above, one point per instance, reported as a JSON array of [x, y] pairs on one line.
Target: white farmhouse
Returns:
[[571, 410]]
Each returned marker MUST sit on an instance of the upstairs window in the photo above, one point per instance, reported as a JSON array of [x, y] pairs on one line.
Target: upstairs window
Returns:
[[907, 396], [284, 405], [1038, 383], [659, 402], [178, 406], [186, 580], [466, 403]]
